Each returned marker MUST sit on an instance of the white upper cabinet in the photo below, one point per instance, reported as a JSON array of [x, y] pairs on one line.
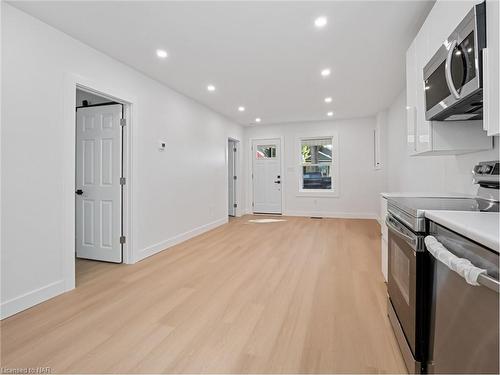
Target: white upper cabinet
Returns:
[[443, 19], [491, 74], [411, 103], [423, 128], [437, 137]]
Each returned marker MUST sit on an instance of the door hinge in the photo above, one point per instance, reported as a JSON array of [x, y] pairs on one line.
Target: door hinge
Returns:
[[123, 181], [252, 204], [235, 205], [122, 239], [123, 121], [235, 177]]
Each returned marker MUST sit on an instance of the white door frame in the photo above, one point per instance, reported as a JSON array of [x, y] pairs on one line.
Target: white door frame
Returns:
[[282, 167], [129, 101], [237, 195]]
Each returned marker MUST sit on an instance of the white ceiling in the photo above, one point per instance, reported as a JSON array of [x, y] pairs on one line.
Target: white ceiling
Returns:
[[266, 56]]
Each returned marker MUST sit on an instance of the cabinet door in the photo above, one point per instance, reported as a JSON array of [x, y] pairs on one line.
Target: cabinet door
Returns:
[[411, 92], [491, 74]]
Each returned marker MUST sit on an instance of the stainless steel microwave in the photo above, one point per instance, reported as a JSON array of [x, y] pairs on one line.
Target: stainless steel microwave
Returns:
[[453, 77]]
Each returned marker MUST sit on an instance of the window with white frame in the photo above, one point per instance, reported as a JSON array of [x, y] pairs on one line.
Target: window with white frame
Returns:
[[317, 155]]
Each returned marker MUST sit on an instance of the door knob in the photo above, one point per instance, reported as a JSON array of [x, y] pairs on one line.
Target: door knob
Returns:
[[277, 182], [79, 192]]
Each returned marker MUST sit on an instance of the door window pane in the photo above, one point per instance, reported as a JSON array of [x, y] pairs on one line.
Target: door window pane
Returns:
[[462, 65], [265, 152], [400, 270]]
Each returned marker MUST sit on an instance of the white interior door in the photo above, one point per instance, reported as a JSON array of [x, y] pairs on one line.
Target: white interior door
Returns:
[[231, 174], [266, 156], [98, 188]]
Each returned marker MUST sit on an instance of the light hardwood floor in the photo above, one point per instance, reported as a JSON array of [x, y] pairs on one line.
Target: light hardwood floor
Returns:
[[301, 296]]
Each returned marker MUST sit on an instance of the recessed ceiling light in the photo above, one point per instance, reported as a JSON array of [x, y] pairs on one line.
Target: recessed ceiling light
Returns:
[[211, 88], [329, 114], [161, 53], [241, 108], [258, 119], [328, 99], [325, 72], [320, 22]]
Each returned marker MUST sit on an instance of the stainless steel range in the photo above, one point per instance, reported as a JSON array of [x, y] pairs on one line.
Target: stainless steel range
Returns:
[[409, 279]]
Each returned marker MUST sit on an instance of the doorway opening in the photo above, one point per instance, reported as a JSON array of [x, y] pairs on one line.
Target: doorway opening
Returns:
[[232, 177], [99, 182]]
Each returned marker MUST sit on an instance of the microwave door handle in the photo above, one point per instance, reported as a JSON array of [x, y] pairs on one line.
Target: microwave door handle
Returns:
[[447, 70]]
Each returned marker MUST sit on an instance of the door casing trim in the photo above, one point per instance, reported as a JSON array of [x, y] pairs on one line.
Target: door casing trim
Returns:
[[236, 161], [72, 82]]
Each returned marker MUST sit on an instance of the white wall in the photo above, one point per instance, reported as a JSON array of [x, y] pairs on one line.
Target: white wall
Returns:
[[176, 193], [441, 174], [360, 184]]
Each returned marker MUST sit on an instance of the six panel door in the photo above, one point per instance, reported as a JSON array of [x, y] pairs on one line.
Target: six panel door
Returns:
[[98, 172]]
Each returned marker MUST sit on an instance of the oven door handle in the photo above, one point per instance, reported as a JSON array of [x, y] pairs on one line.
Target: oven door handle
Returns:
[[447, 71], [396, 231]]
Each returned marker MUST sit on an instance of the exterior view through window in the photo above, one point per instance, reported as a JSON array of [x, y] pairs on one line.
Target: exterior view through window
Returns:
[[317, 163], [265, 152]]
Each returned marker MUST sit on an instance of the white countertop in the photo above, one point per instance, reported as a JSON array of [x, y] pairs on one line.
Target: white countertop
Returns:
[[482, 227], [425, 195]]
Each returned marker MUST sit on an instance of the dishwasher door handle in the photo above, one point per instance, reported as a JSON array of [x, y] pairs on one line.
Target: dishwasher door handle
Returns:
[[488, 282], [473, 275]]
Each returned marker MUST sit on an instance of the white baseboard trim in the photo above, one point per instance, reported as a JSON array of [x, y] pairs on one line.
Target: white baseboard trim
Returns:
[[163, 245], [334, 215], [30, 299]]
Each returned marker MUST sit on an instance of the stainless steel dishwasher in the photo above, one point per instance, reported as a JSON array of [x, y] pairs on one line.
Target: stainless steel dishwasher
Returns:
[[464, 318]]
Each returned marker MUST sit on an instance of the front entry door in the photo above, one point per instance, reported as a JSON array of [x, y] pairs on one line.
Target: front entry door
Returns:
[[266, 156], [98, 188]]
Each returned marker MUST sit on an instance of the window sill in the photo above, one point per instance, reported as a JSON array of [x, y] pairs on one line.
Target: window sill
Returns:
[[317, 194]]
